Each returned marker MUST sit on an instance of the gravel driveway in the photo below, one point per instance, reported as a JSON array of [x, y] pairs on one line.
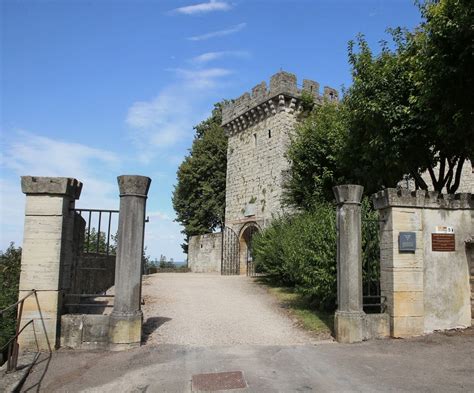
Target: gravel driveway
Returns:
[[205, 310]]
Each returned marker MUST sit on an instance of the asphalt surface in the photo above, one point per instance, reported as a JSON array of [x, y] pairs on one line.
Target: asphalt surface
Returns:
[[441, 362], [434, 363]]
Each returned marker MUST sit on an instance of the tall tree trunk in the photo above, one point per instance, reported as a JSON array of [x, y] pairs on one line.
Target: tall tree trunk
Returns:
[[419, 182], [457, 179], [433, 179]]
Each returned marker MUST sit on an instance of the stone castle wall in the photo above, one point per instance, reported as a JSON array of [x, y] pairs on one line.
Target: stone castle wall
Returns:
[[259, 125], [204, 253]]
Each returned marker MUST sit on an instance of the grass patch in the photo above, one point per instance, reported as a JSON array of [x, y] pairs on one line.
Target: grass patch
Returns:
[[316, 321]]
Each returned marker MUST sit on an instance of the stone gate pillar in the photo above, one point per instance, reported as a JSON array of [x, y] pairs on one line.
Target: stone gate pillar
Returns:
[[126, 317], [47, 255], [349, 318]]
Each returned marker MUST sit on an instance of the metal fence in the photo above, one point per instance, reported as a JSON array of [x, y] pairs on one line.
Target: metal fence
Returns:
[[373, 301], [101, 230], [12, 347]]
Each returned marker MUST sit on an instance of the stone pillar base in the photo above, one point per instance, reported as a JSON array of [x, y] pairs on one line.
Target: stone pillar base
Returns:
[[125, 331], [349, 326]]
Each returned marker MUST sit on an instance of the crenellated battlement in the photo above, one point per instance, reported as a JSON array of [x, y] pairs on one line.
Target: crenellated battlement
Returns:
[[422, 199], [262, 102]]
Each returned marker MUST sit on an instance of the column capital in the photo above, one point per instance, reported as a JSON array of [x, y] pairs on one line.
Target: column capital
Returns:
[[40, 185], [348, 194], [134, 185]]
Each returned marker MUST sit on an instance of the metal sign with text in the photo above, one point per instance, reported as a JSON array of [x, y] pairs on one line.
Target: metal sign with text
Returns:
[[407, 241]]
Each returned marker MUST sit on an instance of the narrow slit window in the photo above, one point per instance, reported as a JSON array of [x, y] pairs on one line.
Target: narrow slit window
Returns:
[[255, 140], [269, 133]]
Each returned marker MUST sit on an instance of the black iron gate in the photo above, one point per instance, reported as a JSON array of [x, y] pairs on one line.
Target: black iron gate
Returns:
[[372, 300], [230, 264], [248, 235]]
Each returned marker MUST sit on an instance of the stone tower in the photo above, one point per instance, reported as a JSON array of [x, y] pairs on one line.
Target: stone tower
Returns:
[[258, 126]]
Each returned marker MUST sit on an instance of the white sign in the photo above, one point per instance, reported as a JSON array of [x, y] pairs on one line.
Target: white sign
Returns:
[[443, 229]]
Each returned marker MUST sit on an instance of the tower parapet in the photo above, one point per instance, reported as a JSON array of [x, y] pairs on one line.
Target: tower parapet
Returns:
[[283, 95]]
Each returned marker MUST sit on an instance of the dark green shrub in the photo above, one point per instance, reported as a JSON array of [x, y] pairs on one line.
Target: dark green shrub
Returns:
[[10, 261], [300, 251]]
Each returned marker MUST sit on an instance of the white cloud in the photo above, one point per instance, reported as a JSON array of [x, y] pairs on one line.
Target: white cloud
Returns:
[[167, 119], [201, 8], [159, 215], [32, 154], [211, 56], [27, 153], [202, 79], [219, 33]]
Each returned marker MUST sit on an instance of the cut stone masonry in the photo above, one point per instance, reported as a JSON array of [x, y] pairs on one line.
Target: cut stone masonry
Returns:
[[283, 94]]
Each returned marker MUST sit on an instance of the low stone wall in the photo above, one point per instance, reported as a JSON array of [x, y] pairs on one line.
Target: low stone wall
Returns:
[[205, 253], [85, 331], [427, 288]]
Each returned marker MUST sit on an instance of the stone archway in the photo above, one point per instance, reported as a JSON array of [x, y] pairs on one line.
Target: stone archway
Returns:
[[245, 246]]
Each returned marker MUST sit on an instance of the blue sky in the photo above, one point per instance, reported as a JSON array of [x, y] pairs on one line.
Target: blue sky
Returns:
[[94, 89]]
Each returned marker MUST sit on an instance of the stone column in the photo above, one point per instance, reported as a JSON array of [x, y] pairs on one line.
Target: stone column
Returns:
[[47, 254], [126, 317], [349, 318]]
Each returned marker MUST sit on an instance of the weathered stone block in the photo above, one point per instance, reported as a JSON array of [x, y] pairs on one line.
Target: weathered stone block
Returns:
[[402, 279], [72, 327], [95, 331], [64, 186], [49, 302], [406, 326], [34, 335], [376, 326], [46, 205], [349, 326], [125, 331], [404, 304]]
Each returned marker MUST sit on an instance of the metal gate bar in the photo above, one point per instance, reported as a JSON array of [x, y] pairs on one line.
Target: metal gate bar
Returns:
[[230, 263]]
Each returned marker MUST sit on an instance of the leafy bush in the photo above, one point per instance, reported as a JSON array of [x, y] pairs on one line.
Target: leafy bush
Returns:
[[10, 261], [300, 251]]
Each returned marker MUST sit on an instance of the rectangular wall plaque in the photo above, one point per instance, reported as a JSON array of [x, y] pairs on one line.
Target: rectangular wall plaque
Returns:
[[443, 242], [407, 241]]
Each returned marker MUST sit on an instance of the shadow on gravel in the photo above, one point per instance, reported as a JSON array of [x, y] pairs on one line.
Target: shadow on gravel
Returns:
[[152, 324]]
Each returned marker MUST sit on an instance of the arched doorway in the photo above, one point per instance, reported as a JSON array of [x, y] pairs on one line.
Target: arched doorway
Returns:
[[247, 264]]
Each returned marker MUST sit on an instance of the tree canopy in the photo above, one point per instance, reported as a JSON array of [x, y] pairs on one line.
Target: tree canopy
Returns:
[[411, 108], [316, 156], [199, 195]]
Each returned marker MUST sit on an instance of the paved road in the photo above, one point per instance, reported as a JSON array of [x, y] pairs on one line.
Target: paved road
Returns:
[[195, 331], [203, 309], [435, 363]]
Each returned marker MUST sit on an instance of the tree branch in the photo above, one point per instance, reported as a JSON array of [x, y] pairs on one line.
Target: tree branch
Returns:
[[457, 179], [433, 179], [419, 180]]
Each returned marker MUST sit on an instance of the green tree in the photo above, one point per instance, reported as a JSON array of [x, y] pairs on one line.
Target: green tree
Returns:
[[316, 156], [411, 108], [95, 242], [10, 262], [442, 50], [199, 195]]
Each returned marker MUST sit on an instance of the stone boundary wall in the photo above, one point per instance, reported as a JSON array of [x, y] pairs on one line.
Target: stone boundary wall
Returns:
[[392, 197], [426, 290], [205, 253]]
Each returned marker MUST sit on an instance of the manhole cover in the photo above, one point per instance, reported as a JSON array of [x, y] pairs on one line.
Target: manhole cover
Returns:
[[219, 381]]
